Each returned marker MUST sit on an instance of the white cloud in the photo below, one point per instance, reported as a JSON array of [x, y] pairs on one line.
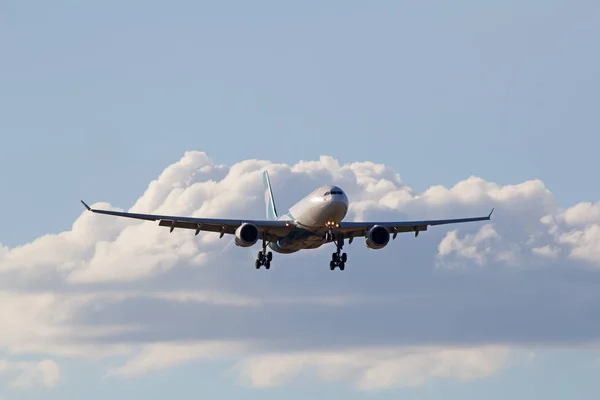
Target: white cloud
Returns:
[[159, 356], [582, 214], [547, 251], [375, 368], [585, 244], [30, 374], [112, 287], [474, 247]]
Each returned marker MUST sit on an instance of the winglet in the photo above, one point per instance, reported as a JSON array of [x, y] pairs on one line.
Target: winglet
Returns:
[[490, 214], [86, 206]]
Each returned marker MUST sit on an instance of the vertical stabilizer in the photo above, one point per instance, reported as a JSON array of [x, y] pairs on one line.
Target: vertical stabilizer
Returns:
[[269, 201]]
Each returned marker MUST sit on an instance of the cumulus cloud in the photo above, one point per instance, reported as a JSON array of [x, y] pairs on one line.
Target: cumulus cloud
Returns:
[[455, 302], [546, 251], [470, 246], [581, 214]]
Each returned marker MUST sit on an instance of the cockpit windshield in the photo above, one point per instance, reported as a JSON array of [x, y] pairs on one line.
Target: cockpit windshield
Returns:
[[333, 192]]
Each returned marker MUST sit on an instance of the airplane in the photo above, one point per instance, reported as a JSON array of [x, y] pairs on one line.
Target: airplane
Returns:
[[315, 220]]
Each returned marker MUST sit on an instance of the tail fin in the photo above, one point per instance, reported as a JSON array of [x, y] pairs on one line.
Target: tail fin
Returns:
[[270, 202]]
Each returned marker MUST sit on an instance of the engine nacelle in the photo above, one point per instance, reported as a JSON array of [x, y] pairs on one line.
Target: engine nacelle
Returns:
[[246, 235], [377, 237]]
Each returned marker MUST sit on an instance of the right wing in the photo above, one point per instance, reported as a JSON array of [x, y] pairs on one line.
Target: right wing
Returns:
[[358, 229], [271, 230]]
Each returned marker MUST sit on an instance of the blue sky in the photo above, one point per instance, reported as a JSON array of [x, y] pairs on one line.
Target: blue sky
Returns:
[[98, 98]]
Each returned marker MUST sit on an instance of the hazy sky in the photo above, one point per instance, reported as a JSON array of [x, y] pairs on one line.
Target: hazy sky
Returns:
[[97, 99]]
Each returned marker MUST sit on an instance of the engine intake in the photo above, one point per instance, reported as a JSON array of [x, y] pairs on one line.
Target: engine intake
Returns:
[[377, 237], [246, 235]]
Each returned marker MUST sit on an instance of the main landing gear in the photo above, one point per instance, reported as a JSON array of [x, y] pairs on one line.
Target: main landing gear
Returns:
[[264, 257], [337, 259]]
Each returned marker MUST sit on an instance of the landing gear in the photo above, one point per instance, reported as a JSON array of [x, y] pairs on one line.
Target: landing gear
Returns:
[[337, 259], [329, 237], [264, 257]]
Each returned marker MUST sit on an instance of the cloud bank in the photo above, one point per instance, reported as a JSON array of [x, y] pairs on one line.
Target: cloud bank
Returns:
[[458, 302]]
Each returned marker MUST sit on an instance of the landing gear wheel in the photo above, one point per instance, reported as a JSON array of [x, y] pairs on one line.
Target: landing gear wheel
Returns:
[[263, 258], [337, 259]]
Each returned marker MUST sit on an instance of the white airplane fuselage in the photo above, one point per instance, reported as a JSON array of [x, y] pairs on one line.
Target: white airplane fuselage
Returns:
[[325, 206]]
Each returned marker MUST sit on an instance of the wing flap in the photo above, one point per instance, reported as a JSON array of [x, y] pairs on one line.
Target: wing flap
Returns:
[[206, 227]]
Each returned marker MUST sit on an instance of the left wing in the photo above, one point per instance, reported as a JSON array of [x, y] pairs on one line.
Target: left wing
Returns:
[[357, 229], [272, 230]]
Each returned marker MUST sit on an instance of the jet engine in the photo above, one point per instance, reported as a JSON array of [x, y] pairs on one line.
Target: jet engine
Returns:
[[377, 237], [246, 235]]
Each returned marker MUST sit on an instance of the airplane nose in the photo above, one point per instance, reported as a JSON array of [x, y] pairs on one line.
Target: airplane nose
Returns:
[[336, 203], [338, 207]]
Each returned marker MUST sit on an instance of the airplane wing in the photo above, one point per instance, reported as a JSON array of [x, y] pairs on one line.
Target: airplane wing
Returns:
[[357, 229], [272, 230]]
